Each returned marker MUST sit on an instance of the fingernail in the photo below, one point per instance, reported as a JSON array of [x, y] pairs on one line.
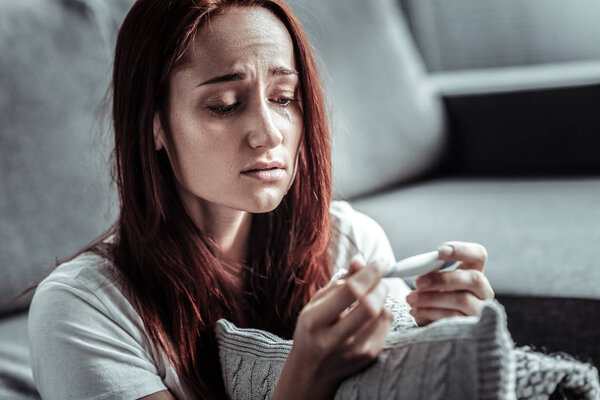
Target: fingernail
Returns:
[[423, 282], [445, 250]]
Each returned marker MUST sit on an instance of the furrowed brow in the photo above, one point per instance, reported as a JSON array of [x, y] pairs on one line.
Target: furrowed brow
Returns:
[[239, 76], [235, 76]]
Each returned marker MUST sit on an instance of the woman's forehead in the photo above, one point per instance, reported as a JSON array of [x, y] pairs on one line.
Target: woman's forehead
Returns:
[[241, 39]]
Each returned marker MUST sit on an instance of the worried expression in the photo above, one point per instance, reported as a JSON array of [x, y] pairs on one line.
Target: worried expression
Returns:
[[233, 121]]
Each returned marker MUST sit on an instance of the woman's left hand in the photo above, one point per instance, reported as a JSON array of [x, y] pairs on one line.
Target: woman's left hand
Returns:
[[463, 291]]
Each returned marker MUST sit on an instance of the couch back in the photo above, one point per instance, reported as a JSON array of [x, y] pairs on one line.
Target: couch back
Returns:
[[467, 34], [386, 121], [54, 73], [55, 143]]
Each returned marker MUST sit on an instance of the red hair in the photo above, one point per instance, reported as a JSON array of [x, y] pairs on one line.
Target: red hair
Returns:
[[168, 265]]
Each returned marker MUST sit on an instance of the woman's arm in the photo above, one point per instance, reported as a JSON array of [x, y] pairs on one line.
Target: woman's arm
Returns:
[[339, 332], [163, 395]]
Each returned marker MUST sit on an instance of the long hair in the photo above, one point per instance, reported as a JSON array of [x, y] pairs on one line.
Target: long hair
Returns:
[[168, 265]]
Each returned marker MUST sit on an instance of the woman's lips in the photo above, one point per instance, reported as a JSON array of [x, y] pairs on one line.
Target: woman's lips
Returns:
[[265, 175]]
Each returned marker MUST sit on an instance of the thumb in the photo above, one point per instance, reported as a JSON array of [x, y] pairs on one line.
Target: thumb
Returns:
[[356, 264]]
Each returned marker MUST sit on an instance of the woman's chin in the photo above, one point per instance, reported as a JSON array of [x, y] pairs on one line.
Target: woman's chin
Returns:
[[264, 202]]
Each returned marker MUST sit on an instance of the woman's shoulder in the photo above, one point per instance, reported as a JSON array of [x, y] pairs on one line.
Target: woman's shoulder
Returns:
[[350, 223], [349, 220], [86, 288], [356, 233], [86, 274]]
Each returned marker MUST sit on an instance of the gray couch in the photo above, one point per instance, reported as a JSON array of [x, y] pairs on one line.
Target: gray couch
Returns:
[[504, 156]]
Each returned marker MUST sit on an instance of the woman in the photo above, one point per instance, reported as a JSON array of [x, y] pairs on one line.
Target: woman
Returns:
[[222, 161]]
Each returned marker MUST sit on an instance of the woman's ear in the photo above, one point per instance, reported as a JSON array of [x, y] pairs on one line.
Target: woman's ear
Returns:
[[159, 133]]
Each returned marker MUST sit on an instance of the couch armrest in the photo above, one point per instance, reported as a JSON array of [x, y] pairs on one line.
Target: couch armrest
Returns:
[[534, 119]]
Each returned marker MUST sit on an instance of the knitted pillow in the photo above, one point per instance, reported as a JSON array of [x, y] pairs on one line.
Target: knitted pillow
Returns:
[[454, 358]]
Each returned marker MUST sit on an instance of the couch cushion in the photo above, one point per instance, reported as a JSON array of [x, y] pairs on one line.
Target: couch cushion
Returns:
[[16, 380], [54, 71], [541, 234], [385, 119]]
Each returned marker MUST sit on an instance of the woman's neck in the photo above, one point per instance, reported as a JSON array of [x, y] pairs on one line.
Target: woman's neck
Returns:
[[230, 233], [227, 227]]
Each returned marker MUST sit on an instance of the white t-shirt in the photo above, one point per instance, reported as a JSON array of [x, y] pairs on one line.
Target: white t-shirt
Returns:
[[88, 342]]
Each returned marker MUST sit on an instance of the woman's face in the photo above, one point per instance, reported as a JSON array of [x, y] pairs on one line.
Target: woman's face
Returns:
[[234, 115]]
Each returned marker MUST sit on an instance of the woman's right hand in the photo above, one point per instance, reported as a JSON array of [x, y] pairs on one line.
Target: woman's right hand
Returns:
[[339, 332]]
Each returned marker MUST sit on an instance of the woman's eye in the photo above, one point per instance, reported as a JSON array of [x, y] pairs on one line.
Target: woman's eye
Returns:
[[223, 109], [284, 101]]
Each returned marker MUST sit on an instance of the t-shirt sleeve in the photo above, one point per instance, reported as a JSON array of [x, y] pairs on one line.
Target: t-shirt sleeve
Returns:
[[357, 233], [82, 350]]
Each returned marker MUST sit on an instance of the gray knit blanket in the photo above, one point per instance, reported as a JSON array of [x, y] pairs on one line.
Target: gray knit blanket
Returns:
[[454, 358]]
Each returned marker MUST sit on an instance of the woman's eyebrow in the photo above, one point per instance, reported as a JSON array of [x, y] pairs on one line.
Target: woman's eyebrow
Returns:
[[239, 76], [235, 76], [283, 71]]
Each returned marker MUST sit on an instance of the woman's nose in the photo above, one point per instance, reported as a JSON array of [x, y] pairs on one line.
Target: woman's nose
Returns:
[[262, 131]]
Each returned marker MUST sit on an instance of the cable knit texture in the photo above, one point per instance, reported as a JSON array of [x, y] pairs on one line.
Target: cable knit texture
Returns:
[[454, 358], [556, 376]]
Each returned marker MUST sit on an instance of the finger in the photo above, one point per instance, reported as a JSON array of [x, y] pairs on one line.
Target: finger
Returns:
[[356, 264], [465, 302], [471, 280], [472, 255], [331, 304], [420, 321], [369, 340], [369, 307], [323, 291], [424, 316]]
